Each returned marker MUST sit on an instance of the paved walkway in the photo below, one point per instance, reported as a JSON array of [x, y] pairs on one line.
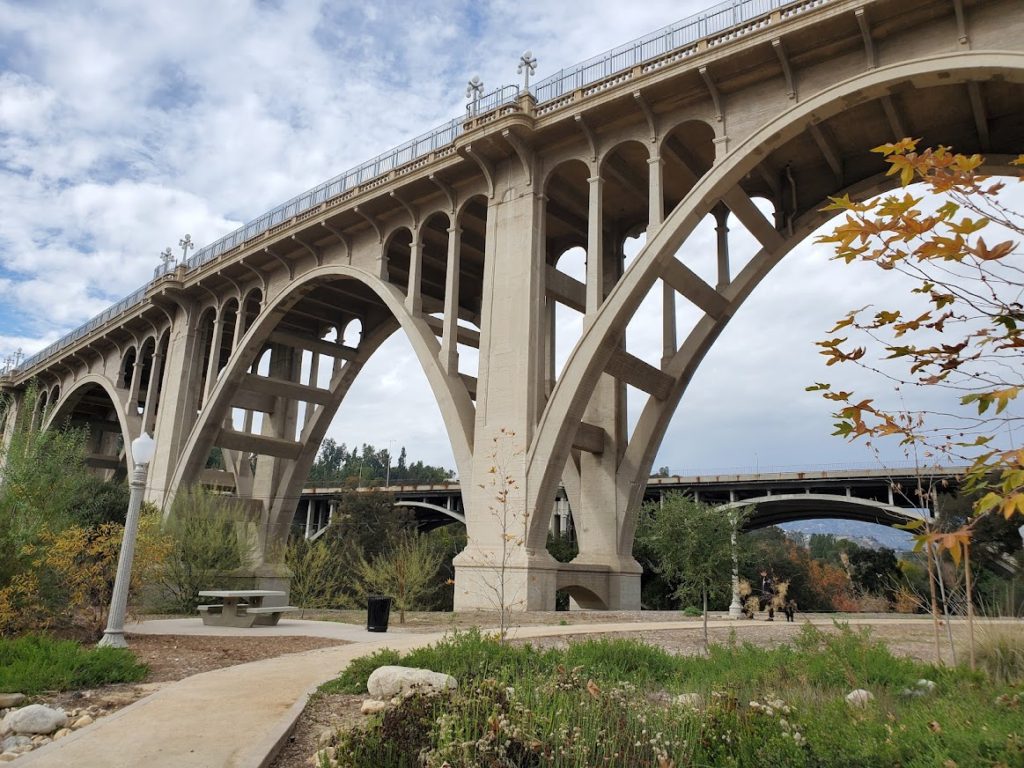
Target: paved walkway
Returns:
[[238, 716]]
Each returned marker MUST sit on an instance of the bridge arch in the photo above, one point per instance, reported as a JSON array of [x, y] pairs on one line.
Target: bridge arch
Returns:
[[387, 314], [792, 507], [95, 403], [722, 184]]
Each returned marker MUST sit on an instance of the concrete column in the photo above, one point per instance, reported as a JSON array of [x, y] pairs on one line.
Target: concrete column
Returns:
[[239, 327], [500, 565], [736, 606], [309, 518], [149, 409], [450, 326], [179, 403], [213, 365], [413, 296], [595, 245], [721, 214], [132, 403]]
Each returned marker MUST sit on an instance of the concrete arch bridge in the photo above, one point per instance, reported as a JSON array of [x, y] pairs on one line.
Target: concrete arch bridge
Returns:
[[455, 238]]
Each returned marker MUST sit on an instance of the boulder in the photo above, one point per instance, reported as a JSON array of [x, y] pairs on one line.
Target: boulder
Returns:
[[35, 718], [387, 682], [925, 686], [373, 706], [11, 743], [859, 698], [8, 700], [690, 700]]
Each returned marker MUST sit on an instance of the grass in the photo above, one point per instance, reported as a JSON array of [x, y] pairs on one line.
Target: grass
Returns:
[[613, 702], [35, 664]]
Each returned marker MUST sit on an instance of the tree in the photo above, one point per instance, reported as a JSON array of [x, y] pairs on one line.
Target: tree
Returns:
[[694, 545], [961, 330], [406, 571]]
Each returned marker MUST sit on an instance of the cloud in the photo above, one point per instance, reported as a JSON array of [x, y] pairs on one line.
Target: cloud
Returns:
[[126, 125]]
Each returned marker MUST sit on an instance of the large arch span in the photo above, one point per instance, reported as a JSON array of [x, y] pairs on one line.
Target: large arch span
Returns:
[[781, 143]]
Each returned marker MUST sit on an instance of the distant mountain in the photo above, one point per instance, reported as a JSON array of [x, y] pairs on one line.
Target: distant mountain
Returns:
[[863, 534]]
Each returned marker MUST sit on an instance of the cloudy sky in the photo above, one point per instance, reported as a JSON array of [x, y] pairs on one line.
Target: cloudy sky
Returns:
[[124, 125]]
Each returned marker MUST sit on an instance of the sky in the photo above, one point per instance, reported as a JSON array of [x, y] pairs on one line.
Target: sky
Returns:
[[125, 125]]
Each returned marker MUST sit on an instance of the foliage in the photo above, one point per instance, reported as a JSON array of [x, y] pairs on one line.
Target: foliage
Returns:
[[204, 543], [367, 520], [69, 582], [600, 702], [405, 572], [42, 474], [319, 576], [967, 337], [369, 467], [694, 544], [1000, 653], [35, 664]]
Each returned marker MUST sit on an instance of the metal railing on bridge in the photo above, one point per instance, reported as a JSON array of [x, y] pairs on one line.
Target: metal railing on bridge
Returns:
[[731, 15]]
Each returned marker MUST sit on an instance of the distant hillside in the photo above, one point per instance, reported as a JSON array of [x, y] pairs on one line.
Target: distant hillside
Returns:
[[864, 534]]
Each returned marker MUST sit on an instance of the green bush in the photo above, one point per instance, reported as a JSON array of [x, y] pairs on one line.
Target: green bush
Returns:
[[600, 702], [999, 652], [33, 664]]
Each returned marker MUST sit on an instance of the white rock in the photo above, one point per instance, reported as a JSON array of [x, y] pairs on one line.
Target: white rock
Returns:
[[691, 700], [386, 682], [35, 718], [61, 733], [859, 698], [326, 737], [11, 700], [372, 707], [81, 722], [925, 685], [11, 743]]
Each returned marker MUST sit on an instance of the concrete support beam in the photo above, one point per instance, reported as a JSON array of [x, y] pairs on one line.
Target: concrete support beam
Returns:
[[590, 438], [261, 444], [266, 385], [567, 290], [634, 371], [450, 326], [253, 401], [685, 281], [463, 335], [739, 203], [311, 344]]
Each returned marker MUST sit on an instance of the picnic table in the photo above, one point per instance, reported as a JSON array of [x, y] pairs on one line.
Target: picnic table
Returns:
[[243, 607]]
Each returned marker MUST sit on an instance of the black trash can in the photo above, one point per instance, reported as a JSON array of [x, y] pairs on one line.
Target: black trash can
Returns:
[[378, 608]]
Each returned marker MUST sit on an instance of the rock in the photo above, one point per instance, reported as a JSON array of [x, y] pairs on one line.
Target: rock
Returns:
[[925, 686], [11, 743], [35, 718], [859, 698], [386, 682], [373, 706], [7, 757], [691, 700], [81, 722], [8, 700], [326, 738], [61, 733]]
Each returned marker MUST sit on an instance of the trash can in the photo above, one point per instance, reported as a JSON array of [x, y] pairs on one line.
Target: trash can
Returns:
[[378, 607]]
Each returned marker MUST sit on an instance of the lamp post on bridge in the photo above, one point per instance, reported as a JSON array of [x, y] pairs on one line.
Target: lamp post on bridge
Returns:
[[474, 91], [527, 67], [185, 243], [142, 453]]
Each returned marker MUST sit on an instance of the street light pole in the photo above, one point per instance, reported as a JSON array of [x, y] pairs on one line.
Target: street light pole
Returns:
[[142, 454]]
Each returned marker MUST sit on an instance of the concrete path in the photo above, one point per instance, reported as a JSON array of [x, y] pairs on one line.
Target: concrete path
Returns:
[[238, 716]]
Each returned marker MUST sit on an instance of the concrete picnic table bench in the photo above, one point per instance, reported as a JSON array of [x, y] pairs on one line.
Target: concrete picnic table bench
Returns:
[[243, 607]]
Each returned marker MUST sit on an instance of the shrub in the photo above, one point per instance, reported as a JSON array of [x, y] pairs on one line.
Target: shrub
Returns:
[[34, 664], [999, 652], [204, 530]]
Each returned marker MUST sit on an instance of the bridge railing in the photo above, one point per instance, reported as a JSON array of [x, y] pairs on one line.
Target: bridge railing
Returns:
[[727, 15]]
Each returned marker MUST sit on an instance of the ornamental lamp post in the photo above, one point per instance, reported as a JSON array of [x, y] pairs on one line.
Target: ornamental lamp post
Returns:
[[474, 92], [142, 454], [527, 67]]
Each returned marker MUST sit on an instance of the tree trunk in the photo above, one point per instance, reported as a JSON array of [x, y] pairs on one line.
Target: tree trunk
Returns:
[[705, 595], [935, 602], [970, 598]]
